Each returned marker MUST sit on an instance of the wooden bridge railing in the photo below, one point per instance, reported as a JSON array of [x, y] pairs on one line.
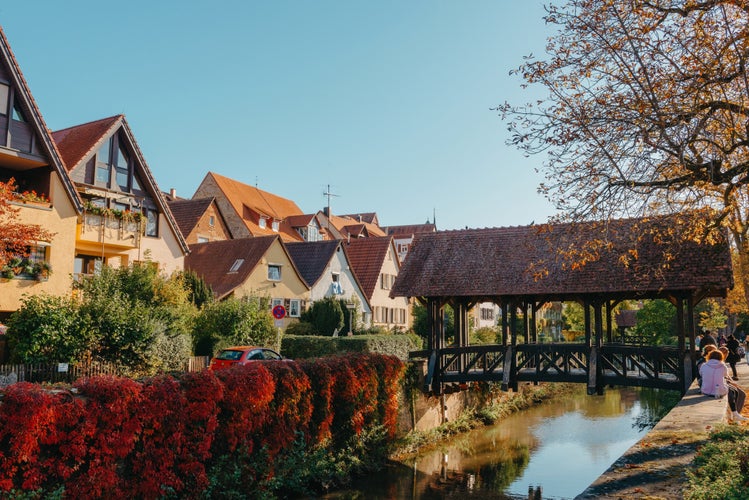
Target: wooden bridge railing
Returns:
[[611, 364]]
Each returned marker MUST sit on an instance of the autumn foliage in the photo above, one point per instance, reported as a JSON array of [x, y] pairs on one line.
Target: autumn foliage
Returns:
[[16, 236], [117, 438]]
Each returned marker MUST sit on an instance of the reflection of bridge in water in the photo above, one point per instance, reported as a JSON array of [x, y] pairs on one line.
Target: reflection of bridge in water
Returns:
[[522, 268]]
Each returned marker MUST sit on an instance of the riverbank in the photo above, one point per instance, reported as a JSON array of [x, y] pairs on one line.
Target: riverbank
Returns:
[[655, 467]]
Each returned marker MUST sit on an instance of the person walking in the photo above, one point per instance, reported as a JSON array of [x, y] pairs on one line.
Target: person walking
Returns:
[[733, 354], [707, 339]]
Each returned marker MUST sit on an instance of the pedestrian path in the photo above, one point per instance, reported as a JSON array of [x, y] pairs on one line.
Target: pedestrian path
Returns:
[[655, 467]]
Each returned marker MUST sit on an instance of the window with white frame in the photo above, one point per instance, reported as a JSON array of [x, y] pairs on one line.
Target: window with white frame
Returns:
[[275, 225], [295, 307], [274, 272]]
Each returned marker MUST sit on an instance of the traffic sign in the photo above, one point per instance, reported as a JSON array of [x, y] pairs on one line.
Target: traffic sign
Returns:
[[279, 312]]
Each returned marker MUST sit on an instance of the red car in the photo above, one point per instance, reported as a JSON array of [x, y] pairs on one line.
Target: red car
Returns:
[[241, 355]]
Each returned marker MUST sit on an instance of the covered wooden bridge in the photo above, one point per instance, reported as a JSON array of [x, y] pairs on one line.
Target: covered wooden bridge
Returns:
[[597, 264]]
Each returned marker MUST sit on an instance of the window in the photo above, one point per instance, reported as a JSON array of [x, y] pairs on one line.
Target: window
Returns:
[[487, 314], [18, 114], [336, 277], [211, 221], [4, 95], [237, 264], [294, 308], [274, 272], [122, 171], [262, 222], [103, 170], [274, 226], [152, 222], [313, 234], [202, 239]]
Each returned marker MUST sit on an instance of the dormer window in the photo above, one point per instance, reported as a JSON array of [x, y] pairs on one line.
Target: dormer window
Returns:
[[274, 226], [263, 223]]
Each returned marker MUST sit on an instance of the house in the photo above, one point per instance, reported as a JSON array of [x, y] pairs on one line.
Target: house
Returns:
[[200, 220], [403, 236], [355, 226], [126, 218], [250, 211], [314, 227], [45, 196], [376, 265], [325, 267], [251, 267]]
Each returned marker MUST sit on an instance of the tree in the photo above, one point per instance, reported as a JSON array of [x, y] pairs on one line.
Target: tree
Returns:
[[646, 112], [713, 317], [656, 321], [17, 237], [244, 321]]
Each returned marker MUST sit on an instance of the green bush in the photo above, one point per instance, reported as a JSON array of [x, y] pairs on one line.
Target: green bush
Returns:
[[305, 346], [301, 328], [484, 335], [326, 316], [245, 321]]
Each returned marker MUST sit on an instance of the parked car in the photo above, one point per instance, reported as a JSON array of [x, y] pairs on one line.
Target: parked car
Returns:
[[241, 355]]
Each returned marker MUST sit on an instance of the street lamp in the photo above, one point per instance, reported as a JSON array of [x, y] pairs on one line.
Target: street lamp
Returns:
[[350, 306]]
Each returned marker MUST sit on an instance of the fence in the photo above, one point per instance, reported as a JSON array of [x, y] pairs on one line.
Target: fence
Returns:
[[70, 372]]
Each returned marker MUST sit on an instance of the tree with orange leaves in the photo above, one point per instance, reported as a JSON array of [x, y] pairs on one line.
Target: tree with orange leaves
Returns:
[[645, 111], [15, 237]]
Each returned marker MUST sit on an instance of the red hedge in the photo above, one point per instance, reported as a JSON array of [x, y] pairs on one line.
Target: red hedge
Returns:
[[117, 438]]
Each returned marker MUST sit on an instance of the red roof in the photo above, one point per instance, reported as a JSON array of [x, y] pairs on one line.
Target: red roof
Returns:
[[367, 256], [187, 213], [213, 261], [75, 143]]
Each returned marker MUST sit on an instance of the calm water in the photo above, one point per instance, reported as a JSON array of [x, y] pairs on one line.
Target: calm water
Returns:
[[557, 448]]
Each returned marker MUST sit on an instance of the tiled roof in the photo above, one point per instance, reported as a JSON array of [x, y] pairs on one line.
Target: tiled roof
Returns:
[[239, 194], [410, 229], [39, 125], [368, 217], [187, 213], [346, 225], [212, 261], [81, 141], [75, 143], [300, 220], [312, 257], [366, 256], [527, 260]]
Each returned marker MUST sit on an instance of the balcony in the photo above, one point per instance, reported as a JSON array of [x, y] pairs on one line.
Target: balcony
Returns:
[[111, 228]]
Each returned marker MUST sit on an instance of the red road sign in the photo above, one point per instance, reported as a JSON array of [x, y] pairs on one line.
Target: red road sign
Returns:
[[279, 312]]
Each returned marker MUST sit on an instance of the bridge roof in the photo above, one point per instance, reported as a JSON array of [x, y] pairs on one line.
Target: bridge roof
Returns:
[[625, 258]]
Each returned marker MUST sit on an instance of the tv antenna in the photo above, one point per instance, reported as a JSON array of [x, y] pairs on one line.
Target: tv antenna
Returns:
[[328, 194]]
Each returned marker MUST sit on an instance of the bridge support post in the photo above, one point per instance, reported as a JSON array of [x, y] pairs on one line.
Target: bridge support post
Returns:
[[687, 371], [593, 371], [508, 378]]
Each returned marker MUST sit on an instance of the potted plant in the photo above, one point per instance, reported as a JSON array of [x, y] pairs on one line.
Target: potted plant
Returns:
[[42, 270]]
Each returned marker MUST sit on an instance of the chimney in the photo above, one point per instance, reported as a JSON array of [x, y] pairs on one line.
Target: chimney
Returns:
[[173, 193]]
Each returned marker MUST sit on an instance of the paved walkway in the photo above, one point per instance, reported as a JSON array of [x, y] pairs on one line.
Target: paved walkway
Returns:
[[655, 467]]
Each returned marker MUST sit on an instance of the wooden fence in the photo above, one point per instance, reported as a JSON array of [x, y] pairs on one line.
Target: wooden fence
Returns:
[[70, 372]]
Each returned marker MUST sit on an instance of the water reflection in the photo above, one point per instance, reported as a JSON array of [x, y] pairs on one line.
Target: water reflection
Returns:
[[553, 451]]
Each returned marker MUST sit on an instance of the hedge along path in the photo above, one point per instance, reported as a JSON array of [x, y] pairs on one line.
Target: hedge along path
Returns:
[[115, 437]]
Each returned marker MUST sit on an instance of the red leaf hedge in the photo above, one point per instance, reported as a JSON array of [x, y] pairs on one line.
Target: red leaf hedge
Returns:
[[116, 438]]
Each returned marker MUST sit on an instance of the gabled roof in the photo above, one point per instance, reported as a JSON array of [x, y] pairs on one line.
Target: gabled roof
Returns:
[[410, 229], [213, 261], [300, 220], [241, 195], [47, 144], [312, 257], [79, 143], [368, 217], [345, 222], [535, 260], [187, 213], [367, 256]]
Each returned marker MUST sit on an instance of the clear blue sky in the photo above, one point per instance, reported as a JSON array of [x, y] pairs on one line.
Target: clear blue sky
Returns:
[[386, 101]]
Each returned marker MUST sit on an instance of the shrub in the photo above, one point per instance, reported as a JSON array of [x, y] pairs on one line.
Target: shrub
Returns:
[[326, 316], [245, 321], [301, 328]]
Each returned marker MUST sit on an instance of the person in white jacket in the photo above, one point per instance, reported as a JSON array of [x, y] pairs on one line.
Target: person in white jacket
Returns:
[[714, 374]]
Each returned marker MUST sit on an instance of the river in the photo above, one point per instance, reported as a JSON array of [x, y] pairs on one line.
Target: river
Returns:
[[552, 451]]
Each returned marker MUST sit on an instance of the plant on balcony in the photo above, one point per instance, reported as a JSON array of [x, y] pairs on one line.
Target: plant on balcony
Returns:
[[32, 197], [123, 215], [41, 270]]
